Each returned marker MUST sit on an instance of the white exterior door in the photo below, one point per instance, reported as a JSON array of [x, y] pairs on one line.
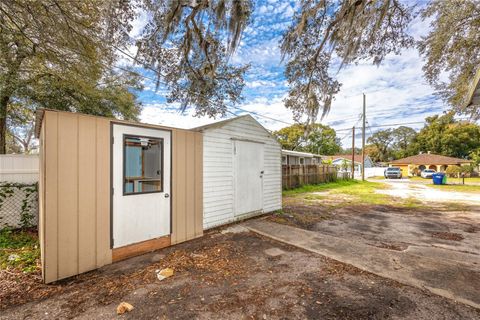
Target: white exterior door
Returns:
[[141, 184], [248, 160]]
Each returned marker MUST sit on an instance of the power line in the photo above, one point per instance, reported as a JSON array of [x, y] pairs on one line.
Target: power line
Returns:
[[384, 89], [253, 112], [238, 108]]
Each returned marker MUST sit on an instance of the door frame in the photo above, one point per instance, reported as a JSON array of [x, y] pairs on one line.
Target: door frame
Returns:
[[112, 124]]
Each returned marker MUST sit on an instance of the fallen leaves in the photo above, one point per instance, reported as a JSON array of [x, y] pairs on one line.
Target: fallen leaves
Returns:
[[211, 262], [17, 287], [218, 261], [447, 236]]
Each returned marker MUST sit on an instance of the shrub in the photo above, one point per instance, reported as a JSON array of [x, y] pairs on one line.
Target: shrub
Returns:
[[453, 171]]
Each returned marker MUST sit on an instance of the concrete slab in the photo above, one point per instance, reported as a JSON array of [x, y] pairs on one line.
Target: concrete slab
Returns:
[[445, 277]]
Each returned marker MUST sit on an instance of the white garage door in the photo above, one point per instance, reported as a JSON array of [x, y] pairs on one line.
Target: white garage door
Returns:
[[248, 176]]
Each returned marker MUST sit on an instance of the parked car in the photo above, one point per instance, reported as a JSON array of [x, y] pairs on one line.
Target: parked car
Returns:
[[393, 172], [427, 173]]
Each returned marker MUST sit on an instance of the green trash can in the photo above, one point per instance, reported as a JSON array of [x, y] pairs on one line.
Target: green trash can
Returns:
[[444, 179]]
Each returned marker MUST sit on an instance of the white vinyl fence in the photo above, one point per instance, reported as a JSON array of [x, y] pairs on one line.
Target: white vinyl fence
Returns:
[[18, 191], [374, 172], [19, 168]]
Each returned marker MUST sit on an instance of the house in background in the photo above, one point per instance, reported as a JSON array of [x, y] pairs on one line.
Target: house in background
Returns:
[[296, 157], [427, 161], [344, 162]]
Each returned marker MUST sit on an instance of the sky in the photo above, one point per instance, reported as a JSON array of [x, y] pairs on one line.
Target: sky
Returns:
[[396, 92]]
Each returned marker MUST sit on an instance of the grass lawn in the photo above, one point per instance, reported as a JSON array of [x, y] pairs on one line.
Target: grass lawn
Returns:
[[449, 180], [472, 188], [19, 250], [350, 192]]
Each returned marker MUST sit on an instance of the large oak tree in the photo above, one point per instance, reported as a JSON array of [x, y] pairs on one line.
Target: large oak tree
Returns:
[[60, 54]]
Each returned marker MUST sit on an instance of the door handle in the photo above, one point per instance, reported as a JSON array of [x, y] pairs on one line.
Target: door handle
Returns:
[[167, 195]]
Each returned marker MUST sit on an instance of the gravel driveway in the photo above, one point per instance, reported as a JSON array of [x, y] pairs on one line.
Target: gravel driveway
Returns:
[[405, 188]]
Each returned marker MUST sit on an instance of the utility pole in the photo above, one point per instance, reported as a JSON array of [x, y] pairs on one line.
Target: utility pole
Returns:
[[363, 138], [353, 152]]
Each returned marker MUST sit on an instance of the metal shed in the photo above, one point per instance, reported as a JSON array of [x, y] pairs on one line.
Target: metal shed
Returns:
[[242, 174], [111, 189]]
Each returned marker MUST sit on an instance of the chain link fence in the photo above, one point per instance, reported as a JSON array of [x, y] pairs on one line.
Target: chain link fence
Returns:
[[18, 205]]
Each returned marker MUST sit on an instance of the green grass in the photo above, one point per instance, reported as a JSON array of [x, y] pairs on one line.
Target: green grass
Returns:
[[364, 192], [321, 187], [467, 180], [458, 187], [351, 192], [19, 249], [449, 180]]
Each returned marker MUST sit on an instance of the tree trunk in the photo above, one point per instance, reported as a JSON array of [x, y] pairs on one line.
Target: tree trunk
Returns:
[[3, 123]]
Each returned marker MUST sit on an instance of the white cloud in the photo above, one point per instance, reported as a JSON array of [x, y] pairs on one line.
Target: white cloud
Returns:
[[396, 91]]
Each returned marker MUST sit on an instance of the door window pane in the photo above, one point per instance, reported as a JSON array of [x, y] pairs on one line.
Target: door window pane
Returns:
[[143, 164]]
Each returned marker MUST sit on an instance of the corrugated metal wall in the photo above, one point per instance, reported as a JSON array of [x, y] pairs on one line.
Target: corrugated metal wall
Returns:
[[75, 192]]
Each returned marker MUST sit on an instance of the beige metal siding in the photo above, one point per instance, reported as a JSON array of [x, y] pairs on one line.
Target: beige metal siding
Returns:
[[76, 218], [75, 192], [50, 214], [41, 186], [186, 185], [104, 254]]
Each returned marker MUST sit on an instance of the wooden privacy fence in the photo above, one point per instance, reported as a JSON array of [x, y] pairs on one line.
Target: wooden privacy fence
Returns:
[[294, 176]]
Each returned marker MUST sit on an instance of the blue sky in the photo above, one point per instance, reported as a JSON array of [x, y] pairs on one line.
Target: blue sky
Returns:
[[396, 91]]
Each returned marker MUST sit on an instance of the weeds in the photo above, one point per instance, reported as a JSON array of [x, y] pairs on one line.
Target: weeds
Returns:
[[19, 249]]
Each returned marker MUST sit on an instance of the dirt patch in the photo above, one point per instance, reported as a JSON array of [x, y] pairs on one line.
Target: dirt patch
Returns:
[[447, 236], [341, 269], [206, 264], [232, 276], [472, 229], [392, 246], [17, 288], [304, 216]]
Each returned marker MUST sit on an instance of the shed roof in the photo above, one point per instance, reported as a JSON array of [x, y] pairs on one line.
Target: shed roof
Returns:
[[221, 123], [430, 158], [473, 97], [40, 113]]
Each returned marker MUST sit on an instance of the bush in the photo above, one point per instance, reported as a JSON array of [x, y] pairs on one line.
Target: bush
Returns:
[[453, 171], [416, 171], [468, 170]]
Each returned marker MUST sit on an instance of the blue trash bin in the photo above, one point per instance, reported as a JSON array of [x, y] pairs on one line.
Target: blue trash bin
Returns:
[[438, 178]]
